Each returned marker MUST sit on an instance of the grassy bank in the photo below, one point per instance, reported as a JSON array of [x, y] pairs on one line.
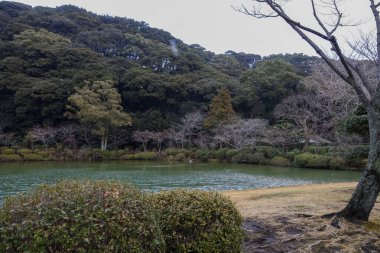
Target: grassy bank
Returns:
[[288, 219], [351, 157]]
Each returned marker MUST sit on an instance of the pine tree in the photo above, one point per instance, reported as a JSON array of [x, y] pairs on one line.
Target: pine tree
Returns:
[[98, 105], [220, 109]]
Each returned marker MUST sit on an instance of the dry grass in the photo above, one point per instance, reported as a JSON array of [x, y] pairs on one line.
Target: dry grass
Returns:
[[288, 219]]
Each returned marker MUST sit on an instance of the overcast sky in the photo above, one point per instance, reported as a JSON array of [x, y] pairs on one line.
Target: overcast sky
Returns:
[[216, 26]]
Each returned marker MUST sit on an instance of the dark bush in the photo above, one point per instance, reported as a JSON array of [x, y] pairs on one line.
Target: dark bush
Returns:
[[239, 158], [179, 157], [221, 154], [258, 158], [198, 221], [231, 153], [269, 152], [80, 217], [202, 155], [336, 163]]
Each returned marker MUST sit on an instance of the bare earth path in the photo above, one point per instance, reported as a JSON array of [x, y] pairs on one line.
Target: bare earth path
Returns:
[[288, 219]]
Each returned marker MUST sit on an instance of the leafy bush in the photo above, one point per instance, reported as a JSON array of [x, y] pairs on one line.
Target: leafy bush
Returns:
[[8, 151], [269, 152], [290, 155], [319, 161], [198, 221], [280, 161], [221, 154], [128, 157], [202, 154], [179, 157], [120, 153], [173, 151], [10, 158], [354, 156], [302, 160], [239, 158], [231, 153], [24, 151], [44, 154], [145, 156], [336, 163], [80, 217], [33, 157], [258, 158]]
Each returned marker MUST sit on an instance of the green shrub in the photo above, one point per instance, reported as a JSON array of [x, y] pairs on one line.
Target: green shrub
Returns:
[[202, 155], [239, 158], [258, 158], [302, 160], [269, 152], [336, 163], [10, 158], [354, 156], [180, 157], [33, 157], [212, 154], [221, 154], [24, 151], [145, 156], [198, 221], [280, 161], [80, 217], [128, 157], [290, 155], [44, 154], [8, 151], [319, 161], [173, 151], [120, 153], [231, 153]]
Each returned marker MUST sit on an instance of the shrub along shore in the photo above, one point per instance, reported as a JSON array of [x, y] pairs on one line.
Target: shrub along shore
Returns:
[[98, 216], [325, 157]]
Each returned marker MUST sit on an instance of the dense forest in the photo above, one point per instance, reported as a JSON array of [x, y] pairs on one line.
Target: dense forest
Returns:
[[94, 76]]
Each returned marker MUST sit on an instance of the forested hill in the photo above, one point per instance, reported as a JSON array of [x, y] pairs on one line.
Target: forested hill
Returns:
[[46, 52]]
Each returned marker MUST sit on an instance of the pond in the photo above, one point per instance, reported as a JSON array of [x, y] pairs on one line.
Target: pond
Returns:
[[155, 176]]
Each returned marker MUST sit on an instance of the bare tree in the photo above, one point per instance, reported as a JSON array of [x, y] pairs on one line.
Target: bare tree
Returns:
[[67, 135], [353, 72], [177, 134], [9, 139], [45, 135], [241, 133], [159, 138], [142, 136]]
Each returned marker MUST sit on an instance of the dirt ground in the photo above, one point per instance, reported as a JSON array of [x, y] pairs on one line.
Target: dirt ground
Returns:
[[288, 219]]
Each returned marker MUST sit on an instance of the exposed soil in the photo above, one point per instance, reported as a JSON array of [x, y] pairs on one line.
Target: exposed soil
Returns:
[[288, 219]]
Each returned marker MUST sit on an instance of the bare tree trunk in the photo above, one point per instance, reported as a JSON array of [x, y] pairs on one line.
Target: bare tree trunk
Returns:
[[367, 190]]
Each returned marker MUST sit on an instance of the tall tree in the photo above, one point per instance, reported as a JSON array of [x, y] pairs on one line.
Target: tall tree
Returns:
[[356, 73], [220, 109], [98, 104]]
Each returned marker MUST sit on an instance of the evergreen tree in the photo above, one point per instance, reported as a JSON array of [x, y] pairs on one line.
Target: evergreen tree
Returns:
[[98, 104], [220, 109]]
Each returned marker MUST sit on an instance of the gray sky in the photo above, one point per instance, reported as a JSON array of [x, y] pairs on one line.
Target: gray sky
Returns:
[[216, 26]]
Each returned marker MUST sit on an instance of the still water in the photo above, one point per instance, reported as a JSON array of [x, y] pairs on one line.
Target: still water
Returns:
[[155, 176]]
